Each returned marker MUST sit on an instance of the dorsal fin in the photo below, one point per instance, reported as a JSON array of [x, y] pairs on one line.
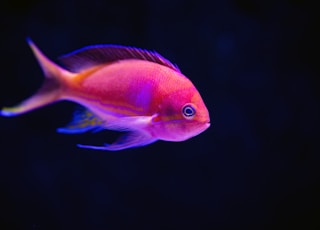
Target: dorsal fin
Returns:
[[90, 56]]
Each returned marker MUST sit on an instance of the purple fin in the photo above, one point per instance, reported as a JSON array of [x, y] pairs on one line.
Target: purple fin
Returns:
[[131, 139], [101, 54], [83, 121]]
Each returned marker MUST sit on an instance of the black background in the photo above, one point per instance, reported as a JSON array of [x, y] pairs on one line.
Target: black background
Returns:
[[256, 65]]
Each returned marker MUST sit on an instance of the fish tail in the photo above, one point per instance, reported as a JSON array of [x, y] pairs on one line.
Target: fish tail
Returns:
[[56, 79]]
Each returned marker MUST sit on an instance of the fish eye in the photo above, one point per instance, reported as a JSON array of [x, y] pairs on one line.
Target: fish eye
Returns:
[[188, 111]]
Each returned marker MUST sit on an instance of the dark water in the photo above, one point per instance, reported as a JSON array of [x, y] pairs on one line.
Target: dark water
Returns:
[[256, 64]]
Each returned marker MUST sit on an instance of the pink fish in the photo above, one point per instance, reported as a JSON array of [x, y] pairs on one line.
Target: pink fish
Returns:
[[122, 88]]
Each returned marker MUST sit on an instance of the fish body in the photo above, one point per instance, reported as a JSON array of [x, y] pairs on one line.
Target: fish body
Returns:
[[122, 88]]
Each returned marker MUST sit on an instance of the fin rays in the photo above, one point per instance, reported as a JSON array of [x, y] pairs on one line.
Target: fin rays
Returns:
[[49, 92], [90, 56], [83, 121], [129, 140]]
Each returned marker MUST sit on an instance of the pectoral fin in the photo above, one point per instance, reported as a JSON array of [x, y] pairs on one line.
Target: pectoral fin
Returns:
[[130, 123], [129, 140]]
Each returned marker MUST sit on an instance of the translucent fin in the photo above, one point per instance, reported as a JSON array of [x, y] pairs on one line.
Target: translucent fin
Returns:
[[49, 92], [49, 68], [129, 140], [83, 121], [130, 123], [90, 56]]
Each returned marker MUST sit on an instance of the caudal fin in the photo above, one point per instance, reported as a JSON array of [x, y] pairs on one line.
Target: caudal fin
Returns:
[[49, 92]]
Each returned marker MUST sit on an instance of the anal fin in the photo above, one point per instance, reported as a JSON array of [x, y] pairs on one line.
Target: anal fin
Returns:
[[83, 121]]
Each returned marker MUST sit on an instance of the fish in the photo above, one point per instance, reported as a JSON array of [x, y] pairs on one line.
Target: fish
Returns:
[[134, 91]]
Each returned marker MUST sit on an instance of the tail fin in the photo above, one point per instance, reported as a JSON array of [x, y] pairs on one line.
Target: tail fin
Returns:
[[49, 92]]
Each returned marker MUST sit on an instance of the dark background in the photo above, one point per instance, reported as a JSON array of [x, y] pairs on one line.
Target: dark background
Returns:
[[256, 65]]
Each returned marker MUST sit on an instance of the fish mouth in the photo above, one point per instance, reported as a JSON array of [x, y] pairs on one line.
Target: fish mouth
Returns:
[[204, 127], [207, 125]]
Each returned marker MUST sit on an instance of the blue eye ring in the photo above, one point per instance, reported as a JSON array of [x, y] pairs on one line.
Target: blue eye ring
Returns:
[[188, 111]]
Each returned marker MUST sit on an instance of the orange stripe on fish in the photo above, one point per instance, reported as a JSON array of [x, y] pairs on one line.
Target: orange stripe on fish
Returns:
[[122, 88]]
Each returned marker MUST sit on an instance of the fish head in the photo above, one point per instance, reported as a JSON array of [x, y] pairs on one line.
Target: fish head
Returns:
[[182, 115]]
